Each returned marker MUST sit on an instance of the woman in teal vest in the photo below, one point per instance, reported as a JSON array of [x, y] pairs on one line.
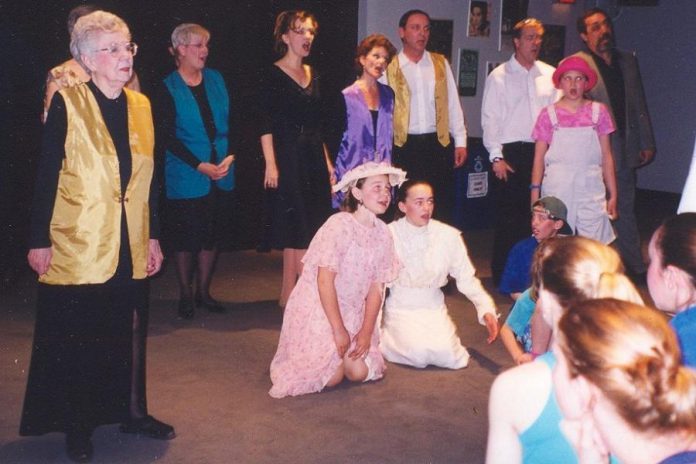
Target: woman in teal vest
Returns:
[[193, 116]]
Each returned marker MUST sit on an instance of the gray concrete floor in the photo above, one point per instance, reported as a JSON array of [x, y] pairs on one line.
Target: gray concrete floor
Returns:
[[209, 378]]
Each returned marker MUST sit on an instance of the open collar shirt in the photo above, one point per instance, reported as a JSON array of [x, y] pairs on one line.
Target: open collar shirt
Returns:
[[512, 100], [421, 83]]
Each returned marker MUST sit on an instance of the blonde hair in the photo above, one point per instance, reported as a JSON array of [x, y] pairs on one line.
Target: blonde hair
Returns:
[[182, 34], [89, 27], [632, 355], [579, 268]]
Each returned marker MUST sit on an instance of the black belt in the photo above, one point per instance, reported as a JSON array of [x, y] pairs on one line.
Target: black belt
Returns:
[[422, 136], [518, 144]]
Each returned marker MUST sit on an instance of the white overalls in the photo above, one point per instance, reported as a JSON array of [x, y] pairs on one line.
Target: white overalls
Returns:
[[573, 173]]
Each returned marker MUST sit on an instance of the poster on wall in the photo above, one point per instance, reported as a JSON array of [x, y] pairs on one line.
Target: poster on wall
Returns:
[[553, 45], [468, 72], [441, 37], [479, 19], [512, 12]]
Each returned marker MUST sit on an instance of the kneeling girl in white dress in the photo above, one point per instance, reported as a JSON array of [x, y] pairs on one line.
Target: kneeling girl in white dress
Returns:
[[416, 327]]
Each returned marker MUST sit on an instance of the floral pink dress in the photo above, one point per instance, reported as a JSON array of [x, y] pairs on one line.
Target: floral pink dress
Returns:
[[359, 255]]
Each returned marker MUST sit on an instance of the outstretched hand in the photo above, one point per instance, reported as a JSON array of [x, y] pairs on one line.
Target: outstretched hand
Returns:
[[492, 326]]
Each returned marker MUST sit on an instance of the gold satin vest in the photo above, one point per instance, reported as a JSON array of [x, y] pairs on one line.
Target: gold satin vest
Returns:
[[85, 228], [402, 101]]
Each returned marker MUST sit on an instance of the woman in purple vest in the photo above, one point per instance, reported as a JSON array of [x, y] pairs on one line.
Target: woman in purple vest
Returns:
[[368, 130]]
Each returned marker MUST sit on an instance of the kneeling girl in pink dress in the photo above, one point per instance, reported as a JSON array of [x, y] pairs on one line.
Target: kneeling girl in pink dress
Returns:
[[329, 328]]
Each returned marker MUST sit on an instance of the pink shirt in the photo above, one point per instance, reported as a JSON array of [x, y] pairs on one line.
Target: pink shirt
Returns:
[[543, 129]]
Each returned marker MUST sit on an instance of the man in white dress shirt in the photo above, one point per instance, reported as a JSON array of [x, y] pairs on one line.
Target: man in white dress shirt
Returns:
[[429, 130], [514, 94]]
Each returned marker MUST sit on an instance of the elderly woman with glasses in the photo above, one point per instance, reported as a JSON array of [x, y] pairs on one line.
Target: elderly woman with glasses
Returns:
[[193, 115], [70, 73], [93, 243]]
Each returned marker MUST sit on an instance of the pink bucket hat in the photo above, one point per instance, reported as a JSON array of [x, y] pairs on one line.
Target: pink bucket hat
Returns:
[[575, 63]]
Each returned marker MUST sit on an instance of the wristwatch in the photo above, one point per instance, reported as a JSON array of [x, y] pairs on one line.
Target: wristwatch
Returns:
[[497, 158]]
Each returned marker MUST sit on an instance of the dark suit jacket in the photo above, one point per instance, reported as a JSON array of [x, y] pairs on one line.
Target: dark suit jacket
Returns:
[[638, 131]]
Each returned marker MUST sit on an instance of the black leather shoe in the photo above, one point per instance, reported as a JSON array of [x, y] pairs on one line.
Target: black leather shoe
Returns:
[[149, 427], [78, 446], [185, 308], [211, 305]]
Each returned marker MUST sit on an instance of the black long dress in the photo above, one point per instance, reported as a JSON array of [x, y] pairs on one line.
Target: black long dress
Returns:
[[302, 201], [82, 369]]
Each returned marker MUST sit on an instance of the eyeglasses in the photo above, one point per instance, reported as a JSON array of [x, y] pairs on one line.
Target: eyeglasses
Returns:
[[115, 49]]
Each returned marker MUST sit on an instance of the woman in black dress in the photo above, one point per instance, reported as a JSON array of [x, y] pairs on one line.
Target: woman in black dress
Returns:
[[298, 169], [93, 243]]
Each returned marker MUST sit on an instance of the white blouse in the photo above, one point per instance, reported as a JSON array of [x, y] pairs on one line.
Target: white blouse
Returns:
[[429, 254]]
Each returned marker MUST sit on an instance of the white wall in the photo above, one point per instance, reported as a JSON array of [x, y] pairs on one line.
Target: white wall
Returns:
[[663, 38], [383, 16]]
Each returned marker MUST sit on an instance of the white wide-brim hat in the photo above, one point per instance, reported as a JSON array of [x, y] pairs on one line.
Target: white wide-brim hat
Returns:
[[396, 176]]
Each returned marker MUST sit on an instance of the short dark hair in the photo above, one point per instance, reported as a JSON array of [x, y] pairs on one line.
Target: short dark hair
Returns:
[[408, 14], [370, 42], [582, 27], [284, 22]]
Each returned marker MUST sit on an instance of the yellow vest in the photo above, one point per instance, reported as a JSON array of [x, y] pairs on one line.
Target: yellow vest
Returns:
[[85, 228], [402, 102]]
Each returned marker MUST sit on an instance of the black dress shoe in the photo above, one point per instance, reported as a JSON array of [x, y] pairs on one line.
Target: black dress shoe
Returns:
[[185, 308], [211, 305], [78, 446], [149, 427]]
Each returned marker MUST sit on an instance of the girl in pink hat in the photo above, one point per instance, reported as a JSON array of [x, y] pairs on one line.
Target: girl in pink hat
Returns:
[[572, 158]]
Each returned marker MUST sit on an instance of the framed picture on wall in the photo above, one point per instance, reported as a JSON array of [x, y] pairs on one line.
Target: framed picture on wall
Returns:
[[468, 72], [441, 37], [479, 19], [512, 12], [553, 45]]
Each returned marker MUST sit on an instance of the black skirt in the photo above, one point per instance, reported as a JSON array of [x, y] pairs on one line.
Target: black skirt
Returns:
[[196, 224], [82, 355]]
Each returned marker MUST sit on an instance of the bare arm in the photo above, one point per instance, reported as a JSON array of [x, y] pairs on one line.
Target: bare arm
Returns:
[[329, 302], [609, 175], [503, 443], [513, 347], [373, 303], [270, 179], [541, 333], [540, 150], [329, 165]]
